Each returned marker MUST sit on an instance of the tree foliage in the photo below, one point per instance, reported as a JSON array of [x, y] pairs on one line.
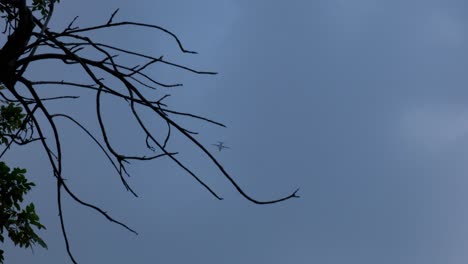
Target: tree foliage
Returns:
[[30, 41], [11, 117], [17, 221]]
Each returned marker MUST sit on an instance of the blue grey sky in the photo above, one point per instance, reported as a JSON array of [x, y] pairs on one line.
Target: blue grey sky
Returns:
[[362, 104]]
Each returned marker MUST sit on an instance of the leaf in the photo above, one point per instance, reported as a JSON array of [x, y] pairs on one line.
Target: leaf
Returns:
[[41, 243]]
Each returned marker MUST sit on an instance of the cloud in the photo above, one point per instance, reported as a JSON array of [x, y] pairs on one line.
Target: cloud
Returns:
[[444, 27], [434, 127], [352, 16]]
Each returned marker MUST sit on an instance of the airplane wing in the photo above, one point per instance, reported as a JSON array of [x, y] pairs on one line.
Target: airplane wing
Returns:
[[219, 146]]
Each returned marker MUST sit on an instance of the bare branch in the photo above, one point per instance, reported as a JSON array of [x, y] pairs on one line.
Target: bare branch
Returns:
[[112, 16], [124, 182], [127, 23]]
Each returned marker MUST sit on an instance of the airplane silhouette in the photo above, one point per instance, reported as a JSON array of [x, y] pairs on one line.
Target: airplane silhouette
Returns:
[[221, 146]]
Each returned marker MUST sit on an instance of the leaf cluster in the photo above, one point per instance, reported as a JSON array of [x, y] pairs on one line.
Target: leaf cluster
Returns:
[[41, 6], [18, 222], [11, 119]]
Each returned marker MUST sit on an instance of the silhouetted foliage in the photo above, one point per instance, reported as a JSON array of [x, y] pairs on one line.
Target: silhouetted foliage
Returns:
[[18, 222]]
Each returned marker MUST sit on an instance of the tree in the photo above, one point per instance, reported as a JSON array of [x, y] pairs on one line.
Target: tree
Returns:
[[30, 41]]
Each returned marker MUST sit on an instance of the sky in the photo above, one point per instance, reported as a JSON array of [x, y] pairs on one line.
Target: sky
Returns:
[[361, 104]]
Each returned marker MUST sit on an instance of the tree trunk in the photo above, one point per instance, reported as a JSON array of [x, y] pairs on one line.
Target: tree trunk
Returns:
[[16, 43]]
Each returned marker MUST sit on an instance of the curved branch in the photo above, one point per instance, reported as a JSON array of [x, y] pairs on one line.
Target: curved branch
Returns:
[[128, 23], [124, 182]]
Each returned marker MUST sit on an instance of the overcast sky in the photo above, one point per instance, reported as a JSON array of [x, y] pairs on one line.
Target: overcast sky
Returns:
[[362, 104]]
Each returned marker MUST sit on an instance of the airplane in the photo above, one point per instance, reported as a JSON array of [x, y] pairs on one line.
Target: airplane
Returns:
[[221, 146]]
